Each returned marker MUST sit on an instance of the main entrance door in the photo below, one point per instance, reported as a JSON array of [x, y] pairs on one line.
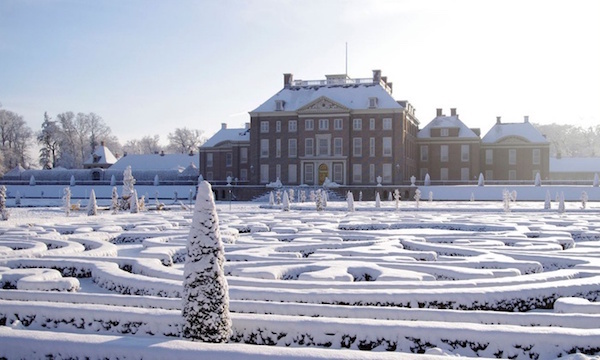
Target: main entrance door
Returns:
[[323, 173]]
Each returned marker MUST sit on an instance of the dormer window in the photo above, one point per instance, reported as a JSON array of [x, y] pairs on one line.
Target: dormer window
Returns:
[[372, 102], [444, 132], [279, 105]]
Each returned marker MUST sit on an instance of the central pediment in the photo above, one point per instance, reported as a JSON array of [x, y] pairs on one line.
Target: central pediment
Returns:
[[323, 104], [512, 140]]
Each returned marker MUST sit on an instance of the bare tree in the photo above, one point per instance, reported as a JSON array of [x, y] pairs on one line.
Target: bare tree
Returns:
[[184, 140], [15, 140], [145, 145]]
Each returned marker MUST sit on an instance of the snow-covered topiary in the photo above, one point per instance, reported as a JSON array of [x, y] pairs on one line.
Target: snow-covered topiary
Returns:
[[319, 194], [417, 197], [205, 290], [278, 197], [134, 207], [481, 180], [547, 202], [114, 200], [128, 183], [561, 203], [360, 196], [506, 200], [113, 180], [302, 196], [18, 198], [67, 200], [584, 199], [92, 207], [430, 196], [377, 200], [291, 195], [538, 180], [285, 203], [156, 180], [397, 198], [3, 212], [72, 182], [472, 196], [427, 181], [324, 198], [350, 201], [596, 182], [271, 199], [390, 197], [32, 181]]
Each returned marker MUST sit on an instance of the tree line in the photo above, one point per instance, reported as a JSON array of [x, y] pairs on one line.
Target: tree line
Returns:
[[68, 139], [572, 140]]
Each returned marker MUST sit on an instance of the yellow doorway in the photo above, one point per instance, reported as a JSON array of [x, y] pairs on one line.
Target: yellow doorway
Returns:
[[323, 173]]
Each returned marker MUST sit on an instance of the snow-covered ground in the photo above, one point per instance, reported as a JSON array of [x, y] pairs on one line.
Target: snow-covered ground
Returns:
[[444, 278]]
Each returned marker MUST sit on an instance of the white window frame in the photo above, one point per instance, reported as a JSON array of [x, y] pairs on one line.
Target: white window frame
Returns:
[[309, 173], [371, 173], [323, 139], [278, 126], [489, 175], [387, 146], [309, 124], [424, 153], [228, 159], [264, 148], [465, 174], [489, 156], [338, 124], [292, 173], [278, 171], [444, 153], [243, 155], [465, 151], [209, 160], [338, 173], [243, 174], [323, 124], [387, 124], [444, 132], [292, 126], [536, 156], [372, 147], [512, 156], [338, 146], [292, 148], [309, 147], [277, 148], [373, 102], [386, 171], [357, 124], [444, 174], [371, 124], [264, 173], [357, 147], [357, 173], [264, 127]]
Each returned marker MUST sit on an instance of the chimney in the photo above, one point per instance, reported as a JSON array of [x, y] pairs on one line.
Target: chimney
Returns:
[[498, 121], [526, 118], [390, 86], [452, 111], [223, 126], [438, 112], [288, 79], [384, 78], [376, 76]]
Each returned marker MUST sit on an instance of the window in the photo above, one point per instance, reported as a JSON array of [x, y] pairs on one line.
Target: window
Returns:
[[387, 146], [387, 173], [464, 152], [338, 173], [277, 147], [309, 124], [292, 173], [512, 174], [209, 160], [278, 126], [537, 156], [387, 124], [323, 124], [372, 173], [444, 132], [338, 144], [444, 174], [322, 146], [228, 159], [444, 153], [357, 173], [371, 147], [424, 153], [292, 148], [309, 173], [357, 146], [489, 175], [489, 157], [279, 104], [464, 174], [278, 171], [357, 124], [338, 124], [243, 174], [243, 155], [371, 124], [373, 102], [423, 173], [264, 148], [512, 156], [292, 126], [264, 173], [209, 176], [264, 126], [309, 147]]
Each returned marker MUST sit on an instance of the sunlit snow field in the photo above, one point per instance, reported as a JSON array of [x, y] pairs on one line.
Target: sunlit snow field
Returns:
[[444, 278]]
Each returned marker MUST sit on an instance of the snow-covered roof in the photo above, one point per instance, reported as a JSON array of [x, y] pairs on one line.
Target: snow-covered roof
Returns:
[[156, 162], [447, 122], [234, 135], [352, 96], [101, 156], [575, 164], [523, 130]]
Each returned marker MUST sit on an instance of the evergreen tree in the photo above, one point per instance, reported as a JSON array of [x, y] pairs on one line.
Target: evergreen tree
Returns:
[[92, 208], [286, 201], [134, 205], [114, 200], [350, 201], [205, 290]]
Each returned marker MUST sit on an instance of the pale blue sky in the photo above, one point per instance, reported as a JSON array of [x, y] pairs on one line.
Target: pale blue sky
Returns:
[[150, 66]]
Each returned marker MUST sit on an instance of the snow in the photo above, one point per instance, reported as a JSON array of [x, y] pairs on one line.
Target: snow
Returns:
[[575, 164], [225, 135], [155, 162], [447, 279], [447, 122], [524, 130]]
